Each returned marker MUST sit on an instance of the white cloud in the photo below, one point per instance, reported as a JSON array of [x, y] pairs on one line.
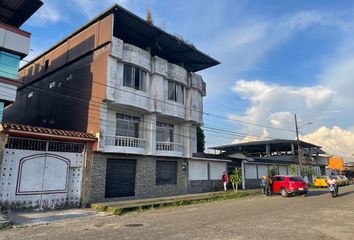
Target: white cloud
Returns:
[[242, 47], [335, 141], [47, 14], [275, 105], [91, 8], [264, 136]]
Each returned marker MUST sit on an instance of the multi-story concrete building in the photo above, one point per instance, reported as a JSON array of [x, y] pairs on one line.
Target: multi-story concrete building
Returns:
[[14, 45], [133, 86]]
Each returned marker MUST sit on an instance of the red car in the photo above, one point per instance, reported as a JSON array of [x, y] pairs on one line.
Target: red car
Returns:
[[286, 185]]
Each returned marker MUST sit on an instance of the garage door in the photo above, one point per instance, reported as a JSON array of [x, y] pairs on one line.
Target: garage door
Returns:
[[120, 178]]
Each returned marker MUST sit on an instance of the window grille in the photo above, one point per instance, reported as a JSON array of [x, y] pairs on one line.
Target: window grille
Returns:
[[41, 145]]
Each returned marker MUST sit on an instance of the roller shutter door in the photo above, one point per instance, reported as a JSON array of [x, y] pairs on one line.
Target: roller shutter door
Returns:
[[120, 178]]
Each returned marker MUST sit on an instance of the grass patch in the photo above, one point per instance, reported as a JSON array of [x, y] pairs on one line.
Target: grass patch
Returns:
[[176, 202]]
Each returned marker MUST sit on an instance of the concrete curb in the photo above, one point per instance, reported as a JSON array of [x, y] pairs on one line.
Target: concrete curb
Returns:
[[123, 207]]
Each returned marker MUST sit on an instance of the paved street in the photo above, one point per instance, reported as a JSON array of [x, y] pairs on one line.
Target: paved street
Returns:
[[316, 216]]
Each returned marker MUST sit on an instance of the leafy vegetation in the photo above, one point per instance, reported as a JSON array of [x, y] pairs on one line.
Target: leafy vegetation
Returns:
[[273, 170], [293, 169], [236, 178]]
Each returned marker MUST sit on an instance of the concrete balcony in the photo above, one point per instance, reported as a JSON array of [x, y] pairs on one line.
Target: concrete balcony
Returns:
[[169, 149], [122, 144]]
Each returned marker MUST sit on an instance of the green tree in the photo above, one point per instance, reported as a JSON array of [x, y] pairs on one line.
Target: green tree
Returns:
[[293, 169], [200, 140], [273, 170], [309, 172], [236, 178]]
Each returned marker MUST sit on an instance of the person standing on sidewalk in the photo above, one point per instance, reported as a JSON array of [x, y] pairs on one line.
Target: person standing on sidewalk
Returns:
[[263, 185], [269, 185], [225, 180]]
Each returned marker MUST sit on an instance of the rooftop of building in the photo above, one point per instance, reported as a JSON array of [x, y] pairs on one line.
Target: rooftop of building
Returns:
[[134, 30], [17, 12], [260, 146]]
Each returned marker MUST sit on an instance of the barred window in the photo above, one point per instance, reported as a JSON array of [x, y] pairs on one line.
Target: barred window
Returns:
[[127, 126], [166, 172], [164, 132]]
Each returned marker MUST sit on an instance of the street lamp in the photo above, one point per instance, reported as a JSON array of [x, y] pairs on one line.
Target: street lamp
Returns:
[[299, 152]]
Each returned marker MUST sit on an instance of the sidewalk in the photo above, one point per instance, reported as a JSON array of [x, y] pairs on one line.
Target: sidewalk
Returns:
[[21, 219], [122, 207]]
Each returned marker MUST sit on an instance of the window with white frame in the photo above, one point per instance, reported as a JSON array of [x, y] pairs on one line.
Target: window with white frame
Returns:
[[127, 126], [175, 92], [134, 77], [164, 132]]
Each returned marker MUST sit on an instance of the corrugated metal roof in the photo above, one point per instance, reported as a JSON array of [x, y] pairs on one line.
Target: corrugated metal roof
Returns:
[[16, 129], [16, 12], [282, 144]]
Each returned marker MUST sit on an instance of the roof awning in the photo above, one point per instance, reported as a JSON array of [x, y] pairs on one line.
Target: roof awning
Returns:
[[21, 130], [16, 12], [260, 146], [135, 30]]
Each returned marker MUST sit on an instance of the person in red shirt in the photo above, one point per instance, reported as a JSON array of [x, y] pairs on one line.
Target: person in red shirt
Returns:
[[225, 180]]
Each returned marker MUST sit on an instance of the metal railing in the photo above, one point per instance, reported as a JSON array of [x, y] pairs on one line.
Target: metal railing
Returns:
[[43, 145], [169, 146], [122, 141]]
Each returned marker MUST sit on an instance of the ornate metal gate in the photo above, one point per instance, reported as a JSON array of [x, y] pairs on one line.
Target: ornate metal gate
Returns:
[[41, 174]]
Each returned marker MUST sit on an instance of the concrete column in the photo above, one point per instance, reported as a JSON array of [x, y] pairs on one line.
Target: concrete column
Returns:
[[150, 133], [186, 139], [87, 173], [268, 149], [293, 150]]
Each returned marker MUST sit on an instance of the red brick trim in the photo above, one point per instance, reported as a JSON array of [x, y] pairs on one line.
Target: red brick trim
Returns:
[[10, 81], [15, 30]]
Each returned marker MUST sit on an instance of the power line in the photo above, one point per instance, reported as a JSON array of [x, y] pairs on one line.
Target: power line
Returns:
[[100, 106], [176, 105]]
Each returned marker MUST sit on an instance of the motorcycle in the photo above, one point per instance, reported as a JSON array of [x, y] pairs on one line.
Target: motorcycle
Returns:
[[333, 190]]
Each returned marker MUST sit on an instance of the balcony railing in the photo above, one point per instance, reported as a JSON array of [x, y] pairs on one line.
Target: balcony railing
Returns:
[[122, 141], [169, 146]]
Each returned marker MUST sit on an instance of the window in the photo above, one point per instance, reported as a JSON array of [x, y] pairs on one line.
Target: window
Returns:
[[30, 95], [52, 84], [69, 76], [134, 77], [166, 172], [164, 132], [251, 171], [296, 179], [127, 126], [46, 64], [9, 65], [278, 179], [175, 92]]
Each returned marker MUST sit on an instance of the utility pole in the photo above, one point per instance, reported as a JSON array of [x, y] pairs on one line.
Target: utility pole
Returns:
[[299, 152]]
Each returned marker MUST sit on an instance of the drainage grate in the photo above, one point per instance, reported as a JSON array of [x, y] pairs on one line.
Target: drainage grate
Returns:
[[134, 225]]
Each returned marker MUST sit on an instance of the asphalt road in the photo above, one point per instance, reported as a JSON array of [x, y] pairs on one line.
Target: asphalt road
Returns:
[[316, 216]]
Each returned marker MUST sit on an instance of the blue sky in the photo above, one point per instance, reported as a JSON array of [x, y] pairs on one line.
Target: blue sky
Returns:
[[277, 58]]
